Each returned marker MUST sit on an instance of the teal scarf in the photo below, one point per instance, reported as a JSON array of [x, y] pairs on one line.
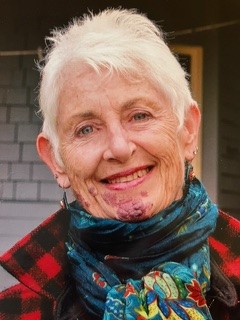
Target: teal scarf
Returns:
[[154, 269]]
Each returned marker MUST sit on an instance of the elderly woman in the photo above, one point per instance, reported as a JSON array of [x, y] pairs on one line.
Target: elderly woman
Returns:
[[120, 129]]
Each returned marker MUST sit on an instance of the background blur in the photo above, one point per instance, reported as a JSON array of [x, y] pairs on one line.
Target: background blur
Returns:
[[28, 192]]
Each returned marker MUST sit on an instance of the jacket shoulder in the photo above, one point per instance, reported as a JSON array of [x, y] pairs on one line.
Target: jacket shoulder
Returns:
[[19, 301], [38, 263], [224, 244], [225, 253]]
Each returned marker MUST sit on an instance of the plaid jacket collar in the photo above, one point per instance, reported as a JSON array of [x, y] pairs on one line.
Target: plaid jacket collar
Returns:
[[39, 260], [225, 247]]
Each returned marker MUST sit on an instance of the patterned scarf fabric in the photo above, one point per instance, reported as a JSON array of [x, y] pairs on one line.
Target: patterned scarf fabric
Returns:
[[153, 269]]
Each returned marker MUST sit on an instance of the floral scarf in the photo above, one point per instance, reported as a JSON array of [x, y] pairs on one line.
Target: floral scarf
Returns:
[[154, 269]]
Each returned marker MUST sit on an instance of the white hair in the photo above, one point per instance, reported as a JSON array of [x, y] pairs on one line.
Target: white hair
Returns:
[[118, 40]]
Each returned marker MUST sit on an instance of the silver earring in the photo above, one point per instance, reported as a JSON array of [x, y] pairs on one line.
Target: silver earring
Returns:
[[195, 152]]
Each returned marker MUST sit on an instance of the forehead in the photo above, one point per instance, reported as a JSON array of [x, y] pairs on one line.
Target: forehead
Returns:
[[86, 94], [74, 73], [83, 82]]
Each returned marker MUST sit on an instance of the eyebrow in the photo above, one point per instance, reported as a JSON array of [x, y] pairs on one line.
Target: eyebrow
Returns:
[[129, 103], [82, 116], [151, 103]]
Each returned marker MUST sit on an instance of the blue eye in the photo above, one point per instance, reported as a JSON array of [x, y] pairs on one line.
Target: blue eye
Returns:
[[140, 116], [85, 130]]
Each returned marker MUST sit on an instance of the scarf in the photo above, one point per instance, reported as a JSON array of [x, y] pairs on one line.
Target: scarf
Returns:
[[153, 269]]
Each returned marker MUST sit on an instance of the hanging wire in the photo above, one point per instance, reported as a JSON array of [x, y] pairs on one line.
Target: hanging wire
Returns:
[[38, 52], [206, 28]]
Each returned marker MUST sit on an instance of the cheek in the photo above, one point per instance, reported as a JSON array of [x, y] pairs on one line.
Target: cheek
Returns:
[[80, 162], [173, 147], [161, 140], [166, 149]]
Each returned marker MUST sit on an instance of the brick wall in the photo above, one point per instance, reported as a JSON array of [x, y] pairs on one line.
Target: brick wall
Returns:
[[28, 192]]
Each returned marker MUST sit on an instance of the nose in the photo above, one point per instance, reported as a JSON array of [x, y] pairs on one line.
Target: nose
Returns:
[[119, 146]]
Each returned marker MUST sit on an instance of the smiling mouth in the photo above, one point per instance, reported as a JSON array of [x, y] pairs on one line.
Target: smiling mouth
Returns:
[[128, 178]]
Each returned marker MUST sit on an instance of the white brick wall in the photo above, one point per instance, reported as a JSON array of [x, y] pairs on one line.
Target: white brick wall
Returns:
[[28, 192], [6, 191], [50, 191], [16, 95], [19, 218], [3, 114], [19, 114], [9, 152], [7, 132], [40, 173], [29, 153], [27, 132], [3, 171], [20, 171]]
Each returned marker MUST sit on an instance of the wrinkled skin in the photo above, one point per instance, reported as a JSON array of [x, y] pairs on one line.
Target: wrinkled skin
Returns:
[[120, 144]]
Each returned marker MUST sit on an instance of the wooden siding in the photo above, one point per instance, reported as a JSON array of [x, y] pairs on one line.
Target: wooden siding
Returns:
[[229, 121]]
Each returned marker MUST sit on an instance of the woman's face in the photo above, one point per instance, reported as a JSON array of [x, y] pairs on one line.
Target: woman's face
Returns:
[[122, 151]]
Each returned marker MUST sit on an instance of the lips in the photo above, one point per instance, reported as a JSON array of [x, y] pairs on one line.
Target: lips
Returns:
[[128, 176]]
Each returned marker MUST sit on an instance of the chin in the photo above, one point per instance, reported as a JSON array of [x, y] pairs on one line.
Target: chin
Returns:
[[134, 210]]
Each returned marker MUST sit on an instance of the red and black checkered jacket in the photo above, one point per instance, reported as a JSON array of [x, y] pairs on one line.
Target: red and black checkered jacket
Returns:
[[40, 265]]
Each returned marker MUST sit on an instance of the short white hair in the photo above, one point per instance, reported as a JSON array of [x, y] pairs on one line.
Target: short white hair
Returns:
[[118, 40]]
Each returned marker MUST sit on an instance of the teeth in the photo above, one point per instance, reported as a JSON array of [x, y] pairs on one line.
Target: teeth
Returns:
[[135, 175], [141, 173], [130, 177]]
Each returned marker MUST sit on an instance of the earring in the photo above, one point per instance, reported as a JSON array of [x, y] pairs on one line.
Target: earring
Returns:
[[64, 202], [189, 173], [195, 152]]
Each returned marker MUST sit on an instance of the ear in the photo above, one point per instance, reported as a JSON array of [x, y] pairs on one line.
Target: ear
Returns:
[[45, 151], [191, 130]]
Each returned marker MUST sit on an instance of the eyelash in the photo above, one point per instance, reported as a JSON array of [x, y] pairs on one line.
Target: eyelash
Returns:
[[79, 131], [146, 116], [138, 117]]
